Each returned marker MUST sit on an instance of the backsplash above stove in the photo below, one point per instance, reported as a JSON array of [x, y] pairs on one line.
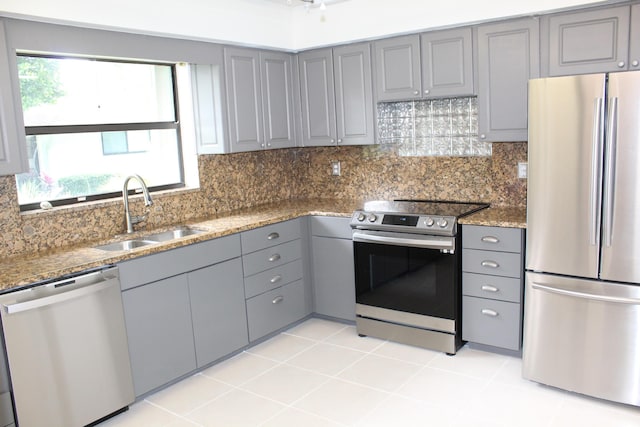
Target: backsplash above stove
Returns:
[[437, 127]]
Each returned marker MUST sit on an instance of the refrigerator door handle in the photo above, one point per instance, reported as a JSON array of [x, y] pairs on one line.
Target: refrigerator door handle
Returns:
[[596, 170], [612, 139], [576, 294]]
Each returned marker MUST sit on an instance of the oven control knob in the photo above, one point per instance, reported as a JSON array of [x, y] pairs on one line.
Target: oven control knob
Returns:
[[442, 223], [429, 222], [372, 218], [361, 217]]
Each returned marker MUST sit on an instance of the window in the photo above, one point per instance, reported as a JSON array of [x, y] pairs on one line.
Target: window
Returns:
[[92, 122]]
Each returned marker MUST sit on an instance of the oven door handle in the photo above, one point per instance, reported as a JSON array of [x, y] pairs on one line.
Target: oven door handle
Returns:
[[425, 243]]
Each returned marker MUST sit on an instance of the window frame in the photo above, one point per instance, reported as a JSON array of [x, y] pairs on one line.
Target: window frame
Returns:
[[109, 127]]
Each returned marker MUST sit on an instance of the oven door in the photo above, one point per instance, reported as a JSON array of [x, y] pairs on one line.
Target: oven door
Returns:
[[407, 272]]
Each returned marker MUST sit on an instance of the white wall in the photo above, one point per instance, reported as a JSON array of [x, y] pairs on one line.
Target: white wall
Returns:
[[270, 23]]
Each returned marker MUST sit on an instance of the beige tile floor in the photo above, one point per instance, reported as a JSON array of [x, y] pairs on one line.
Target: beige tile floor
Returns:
[[320, 373]]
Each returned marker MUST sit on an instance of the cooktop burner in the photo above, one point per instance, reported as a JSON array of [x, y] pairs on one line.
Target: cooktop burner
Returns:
[[438, 217]]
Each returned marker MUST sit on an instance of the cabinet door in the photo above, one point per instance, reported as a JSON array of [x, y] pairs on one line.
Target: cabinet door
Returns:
[[317, 97], [277, 99], [634, 39], [447, 63], [218, 310], [508, 56], [244, 99], [589, 42], [13, 157], [333, 277], [158, 319], [354, 94], [209, 111], [397, 68]]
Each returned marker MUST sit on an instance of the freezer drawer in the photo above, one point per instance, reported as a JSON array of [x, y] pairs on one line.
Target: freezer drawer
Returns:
[[583, 336]]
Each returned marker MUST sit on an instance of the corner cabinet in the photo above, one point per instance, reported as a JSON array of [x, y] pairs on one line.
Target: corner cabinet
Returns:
[[259, 99], [336, 96], [508, 56], [591, 41], [13, 156], [492, 286], [333, 269]]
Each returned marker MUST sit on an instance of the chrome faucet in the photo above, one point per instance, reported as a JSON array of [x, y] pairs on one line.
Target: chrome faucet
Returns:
[[125, 199]]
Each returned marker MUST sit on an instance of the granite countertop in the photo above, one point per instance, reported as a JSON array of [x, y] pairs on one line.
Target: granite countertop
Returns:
[[498, 217], [24, 270]]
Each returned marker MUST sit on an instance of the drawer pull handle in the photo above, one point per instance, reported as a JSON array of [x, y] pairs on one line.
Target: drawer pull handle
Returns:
[[277, 300], [490, 264], [489, 288], [488, 312], [273, 236], [490, 239], [275, 279], [274, 257]]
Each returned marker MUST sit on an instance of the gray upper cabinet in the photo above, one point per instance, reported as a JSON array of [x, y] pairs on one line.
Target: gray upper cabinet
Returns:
[[397, 68], [354, 94], [588, 42], [634, 39], [244, 99], [447, 63], [277, 99], [13, 157], [336, 96], [508, 56]]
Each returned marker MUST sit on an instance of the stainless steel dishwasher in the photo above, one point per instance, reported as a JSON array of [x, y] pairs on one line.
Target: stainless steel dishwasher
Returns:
[[67, 350]]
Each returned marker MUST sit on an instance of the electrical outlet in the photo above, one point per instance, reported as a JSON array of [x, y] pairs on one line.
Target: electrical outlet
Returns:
[[522, 169], [335, 168]]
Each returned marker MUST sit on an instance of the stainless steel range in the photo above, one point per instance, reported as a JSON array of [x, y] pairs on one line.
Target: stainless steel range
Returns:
[[408, 271]]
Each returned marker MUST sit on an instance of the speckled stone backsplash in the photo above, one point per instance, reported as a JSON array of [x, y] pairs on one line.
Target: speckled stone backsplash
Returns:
[[234, 181]]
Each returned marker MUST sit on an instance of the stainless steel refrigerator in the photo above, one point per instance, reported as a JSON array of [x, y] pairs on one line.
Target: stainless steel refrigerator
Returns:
[[582, 295]]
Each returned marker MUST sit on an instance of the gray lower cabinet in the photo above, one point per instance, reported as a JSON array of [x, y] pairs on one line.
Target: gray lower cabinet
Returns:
[[508, 56], [184, 308], [333, 269], [6, 404], [590, 41], [492, 286], [13, 156], [336, 96], [274, 285]]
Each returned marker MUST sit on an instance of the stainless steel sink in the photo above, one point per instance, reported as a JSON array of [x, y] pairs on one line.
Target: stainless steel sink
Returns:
[[176, 233], [126, 245]]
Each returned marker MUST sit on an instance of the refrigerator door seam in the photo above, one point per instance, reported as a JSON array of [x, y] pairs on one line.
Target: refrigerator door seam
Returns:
[[612, 139]]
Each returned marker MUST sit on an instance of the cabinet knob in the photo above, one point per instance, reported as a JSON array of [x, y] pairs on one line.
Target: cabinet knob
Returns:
[[273, 236], [278, 299], [490, 264], [635, 63], [268, 144], [333, 141], [621, 64], [490, 239], [483, 136], [488, 312], [261, 145], [339, 140], [276, 278], [489, 288], [416, 92], [274, 257], [427, 91]]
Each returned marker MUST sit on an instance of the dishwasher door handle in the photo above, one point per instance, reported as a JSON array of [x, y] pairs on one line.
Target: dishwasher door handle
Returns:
[[57, 298]]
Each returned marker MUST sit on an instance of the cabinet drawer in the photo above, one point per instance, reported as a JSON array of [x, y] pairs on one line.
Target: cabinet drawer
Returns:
[[495, 323], [272, 278], [329, 226], [275, 309], [493, 287], [494, 263], [147, 269], [492, 238], [271, 257], [270, 235]]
